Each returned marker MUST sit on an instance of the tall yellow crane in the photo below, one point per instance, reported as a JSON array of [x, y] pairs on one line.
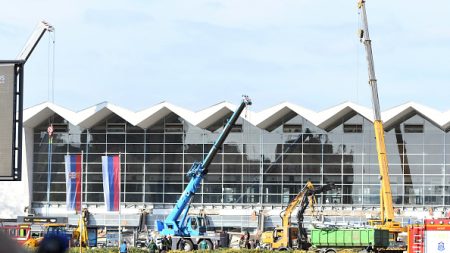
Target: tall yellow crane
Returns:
[[386, 220]]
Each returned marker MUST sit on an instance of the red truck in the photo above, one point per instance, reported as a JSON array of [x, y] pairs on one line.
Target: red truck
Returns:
[[433, 236]]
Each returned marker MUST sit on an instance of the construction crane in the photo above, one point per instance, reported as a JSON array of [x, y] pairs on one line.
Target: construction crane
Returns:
[[193, 229], [34, 39], [386, 220], [286, 236]]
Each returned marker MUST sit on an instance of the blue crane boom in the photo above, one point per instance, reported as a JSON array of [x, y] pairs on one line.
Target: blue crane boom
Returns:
[[176, 223]]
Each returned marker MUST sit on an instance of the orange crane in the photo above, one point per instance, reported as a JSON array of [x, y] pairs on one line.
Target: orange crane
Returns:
[[386, 220]]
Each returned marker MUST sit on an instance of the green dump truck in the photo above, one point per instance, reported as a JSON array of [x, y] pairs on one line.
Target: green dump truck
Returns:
[[329, 239]]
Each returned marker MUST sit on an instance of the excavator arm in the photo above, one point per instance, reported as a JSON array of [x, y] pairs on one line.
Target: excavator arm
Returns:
[[310, 193], [300, 197]]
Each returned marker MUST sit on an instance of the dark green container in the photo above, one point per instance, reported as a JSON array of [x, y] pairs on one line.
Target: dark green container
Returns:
[[349, 237]]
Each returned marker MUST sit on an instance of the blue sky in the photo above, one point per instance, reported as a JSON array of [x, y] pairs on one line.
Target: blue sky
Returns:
[[197, 53]]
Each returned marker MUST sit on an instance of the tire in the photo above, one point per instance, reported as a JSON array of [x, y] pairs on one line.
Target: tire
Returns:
[[330, 251], [188, 245], [210, 245]]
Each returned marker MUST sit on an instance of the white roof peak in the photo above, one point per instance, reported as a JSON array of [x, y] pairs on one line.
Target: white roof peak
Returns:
[[203, 118]]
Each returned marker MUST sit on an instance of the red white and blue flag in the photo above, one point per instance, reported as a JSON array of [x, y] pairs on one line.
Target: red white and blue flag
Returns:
[[73, 182], [111, 181]]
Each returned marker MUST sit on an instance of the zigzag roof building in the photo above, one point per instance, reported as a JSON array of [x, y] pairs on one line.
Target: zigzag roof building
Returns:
[[264, 162]]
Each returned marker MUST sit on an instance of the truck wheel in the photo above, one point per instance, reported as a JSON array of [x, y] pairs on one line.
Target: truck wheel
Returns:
[[210, 244], [188, 246]]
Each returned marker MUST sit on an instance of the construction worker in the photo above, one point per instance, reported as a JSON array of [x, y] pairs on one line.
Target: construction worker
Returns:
[[369, 248], [123, 247], [169, 242], [152, 246]]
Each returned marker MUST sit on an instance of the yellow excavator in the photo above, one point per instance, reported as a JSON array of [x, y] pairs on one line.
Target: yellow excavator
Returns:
[[286, 236], [386, 220], [80, 234]]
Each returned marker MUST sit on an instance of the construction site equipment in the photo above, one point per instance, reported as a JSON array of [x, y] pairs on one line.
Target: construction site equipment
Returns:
[[34, 39], [287, 236], [430, 237], [80, 234], [193, 229], [11, 115], [18, 232], [79, 237], [349, 238], [386, 220], [49, 228]]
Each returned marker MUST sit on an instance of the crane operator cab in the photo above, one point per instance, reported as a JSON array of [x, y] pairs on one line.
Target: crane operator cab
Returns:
[[196, 225]]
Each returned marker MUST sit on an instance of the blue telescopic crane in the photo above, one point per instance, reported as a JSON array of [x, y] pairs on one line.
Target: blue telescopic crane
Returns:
[[177, 223]]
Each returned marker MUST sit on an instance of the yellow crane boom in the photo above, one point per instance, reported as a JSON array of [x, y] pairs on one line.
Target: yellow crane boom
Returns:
[[386, 205]]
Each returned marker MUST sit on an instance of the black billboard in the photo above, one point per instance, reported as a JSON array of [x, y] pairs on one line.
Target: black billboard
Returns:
[[10, 120]]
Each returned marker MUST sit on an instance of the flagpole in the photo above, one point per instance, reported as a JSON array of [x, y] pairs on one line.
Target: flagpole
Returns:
[[49, 164], [81, 223], [120, 195]]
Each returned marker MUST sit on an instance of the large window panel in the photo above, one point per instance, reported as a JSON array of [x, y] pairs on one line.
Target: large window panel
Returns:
[[155, 158], [173, 148], [154, 198], [433, 200], [135, 198], [115, 138], [135, 137], [212, 198], [95, 187], [217, 178], [297, 169], [154, 177], [155, 148], [173, 198], [434, 169], [232, 179], [133, 187], [173, 138], [174, 168], [212, 188], [332, 169], [173, 188], [292, 158], [251, 168], [232, 148], [174, 178], [115, 148], [293, 179], [215, 168], [94, 197]]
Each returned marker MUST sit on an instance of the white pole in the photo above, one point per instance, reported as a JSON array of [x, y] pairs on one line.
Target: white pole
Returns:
[[120, 195], [81, 204]]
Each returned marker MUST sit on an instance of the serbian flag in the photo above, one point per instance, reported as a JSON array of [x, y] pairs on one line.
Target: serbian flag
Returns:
[[73, 182], [111, 181]]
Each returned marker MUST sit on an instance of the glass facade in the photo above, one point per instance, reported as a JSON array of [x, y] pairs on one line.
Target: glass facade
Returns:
[[254, 167]]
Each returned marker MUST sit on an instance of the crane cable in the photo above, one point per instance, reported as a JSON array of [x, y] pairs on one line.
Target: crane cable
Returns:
[[358, 48], [50, 129], [51, 66]]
